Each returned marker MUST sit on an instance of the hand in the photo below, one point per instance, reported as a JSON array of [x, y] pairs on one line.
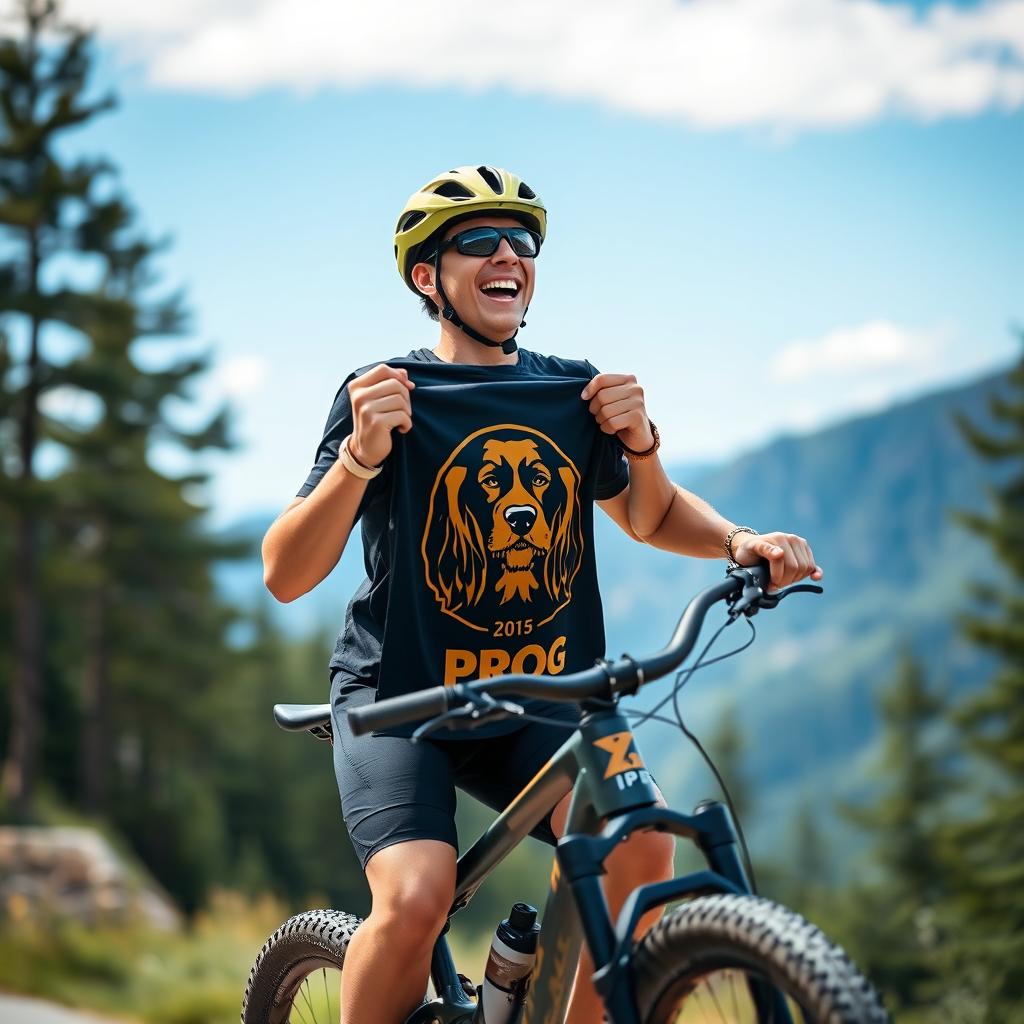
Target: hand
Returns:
[[790, 556], [617, 403], [380, 402]]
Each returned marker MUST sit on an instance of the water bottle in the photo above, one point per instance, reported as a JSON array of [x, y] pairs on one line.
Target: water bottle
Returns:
[[509, 966]]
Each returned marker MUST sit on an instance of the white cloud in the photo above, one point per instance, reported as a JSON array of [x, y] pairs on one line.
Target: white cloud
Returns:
[[863, 349], [786, 64]]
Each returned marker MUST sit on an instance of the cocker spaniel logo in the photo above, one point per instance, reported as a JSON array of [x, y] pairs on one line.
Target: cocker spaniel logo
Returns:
[[503, 534]]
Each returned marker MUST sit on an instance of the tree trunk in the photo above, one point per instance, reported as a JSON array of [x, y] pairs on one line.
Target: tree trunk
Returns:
[[95, 690], [19, 773]]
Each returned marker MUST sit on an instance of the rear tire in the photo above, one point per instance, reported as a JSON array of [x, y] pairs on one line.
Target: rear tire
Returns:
[[703, 953], [303, 946]]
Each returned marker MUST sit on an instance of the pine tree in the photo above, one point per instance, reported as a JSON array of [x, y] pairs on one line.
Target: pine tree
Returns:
[[988, 849], [897, 908], [727, 746], [129, 532], [43, 79]]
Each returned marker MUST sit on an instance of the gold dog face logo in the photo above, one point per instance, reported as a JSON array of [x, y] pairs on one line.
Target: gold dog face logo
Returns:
[[503, 535]]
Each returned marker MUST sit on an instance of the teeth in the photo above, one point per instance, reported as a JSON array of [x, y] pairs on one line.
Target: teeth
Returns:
[[501, 284]]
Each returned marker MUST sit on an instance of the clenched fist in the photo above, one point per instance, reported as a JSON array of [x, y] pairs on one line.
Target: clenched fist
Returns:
[[380, 402]]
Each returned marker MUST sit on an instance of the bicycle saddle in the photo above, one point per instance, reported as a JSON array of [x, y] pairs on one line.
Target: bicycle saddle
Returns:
[[299, 717]]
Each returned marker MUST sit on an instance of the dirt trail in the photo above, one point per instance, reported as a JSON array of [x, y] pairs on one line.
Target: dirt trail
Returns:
[[22, 1010]]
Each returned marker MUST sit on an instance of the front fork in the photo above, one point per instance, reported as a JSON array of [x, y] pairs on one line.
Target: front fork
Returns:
[[581, 858]]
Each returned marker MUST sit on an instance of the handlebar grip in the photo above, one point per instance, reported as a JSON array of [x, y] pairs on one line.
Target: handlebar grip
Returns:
[[398, 710], [762, 572]]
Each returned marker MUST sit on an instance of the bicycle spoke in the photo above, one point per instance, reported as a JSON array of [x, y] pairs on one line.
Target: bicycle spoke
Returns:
[[714, 999], [700, 1004], [327, 995], [724, 997], [305, 995], [732, 992], [298, 1011]]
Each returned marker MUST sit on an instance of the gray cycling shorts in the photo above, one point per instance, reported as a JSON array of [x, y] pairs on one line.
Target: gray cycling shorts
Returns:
[[393, 791]]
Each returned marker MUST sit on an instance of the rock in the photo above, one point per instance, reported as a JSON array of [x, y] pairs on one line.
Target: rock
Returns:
[[75, 873]]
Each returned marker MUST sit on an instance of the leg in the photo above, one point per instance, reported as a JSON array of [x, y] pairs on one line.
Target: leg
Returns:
[[398, 801], [643, 858], [388, 960]]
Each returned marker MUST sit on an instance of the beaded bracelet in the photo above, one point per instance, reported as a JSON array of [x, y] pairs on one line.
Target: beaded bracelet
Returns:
[[728, 541]]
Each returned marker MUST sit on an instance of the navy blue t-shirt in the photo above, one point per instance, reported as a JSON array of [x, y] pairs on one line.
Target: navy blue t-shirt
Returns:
[[478, 534]]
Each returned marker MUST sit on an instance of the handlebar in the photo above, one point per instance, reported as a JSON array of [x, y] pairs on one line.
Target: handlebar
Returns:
[[745, 584]]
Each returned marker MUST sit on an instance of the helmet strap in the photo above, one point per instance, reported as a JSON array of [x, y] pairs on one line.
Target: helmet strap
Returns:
[[508, 346]]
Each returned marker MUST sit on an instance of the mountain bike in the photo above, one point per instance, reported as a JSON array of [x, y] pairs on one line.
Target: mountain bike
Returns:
[[722, 954]]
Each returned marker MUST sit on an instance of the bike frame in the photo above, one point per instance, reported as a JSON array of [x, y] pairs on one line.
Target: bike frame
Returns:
[[603, 769]]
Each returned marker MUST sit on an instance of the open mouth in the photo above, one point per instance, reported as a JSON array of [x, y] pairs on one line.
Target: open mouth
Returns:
[[500, 291]]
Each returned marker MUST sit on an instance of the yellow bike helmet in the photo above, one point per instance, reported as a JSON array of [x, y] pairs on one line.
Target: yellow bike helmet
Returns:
[[462, 192]]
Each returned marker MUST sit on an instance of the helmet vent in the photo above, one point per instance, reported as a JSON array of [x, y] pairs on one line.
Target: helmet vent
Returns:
[[493, 178], [410, 220], [525, 192], [453, 190]]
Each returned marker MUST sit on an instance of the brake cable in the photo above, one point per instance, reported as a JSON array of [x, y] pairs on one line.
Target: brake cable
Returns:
[[481, 707]]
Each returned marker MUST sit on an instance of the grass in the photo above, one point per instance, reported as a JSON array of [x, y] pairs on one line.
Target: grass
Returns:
[[196, 976]]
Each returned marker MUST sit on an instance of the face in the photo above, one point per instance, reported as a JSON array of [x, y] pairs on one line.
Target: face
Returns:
[[494, 312]]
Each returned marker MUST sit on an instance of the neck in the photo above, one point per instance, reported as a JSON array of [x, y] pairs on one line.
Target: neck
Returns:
[[456, 347]]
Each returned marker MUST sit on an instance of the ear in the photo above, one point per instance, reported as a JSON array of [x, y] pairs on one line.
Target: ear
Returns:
[[422, 275], [455, 547], [563, 557]]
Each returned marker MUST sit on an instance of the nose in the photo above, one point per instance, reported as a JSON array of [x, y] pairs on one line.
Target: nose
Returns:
[[520, 519], [504, 253]]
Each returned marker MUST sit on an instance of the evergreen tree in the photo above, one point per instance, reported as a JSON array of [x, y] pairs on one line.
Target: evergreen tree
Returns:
[[897, 908], [988, 849], [129, 531], [727, 746], [279, 793], [808, 863], [42, 98], [135, 633]]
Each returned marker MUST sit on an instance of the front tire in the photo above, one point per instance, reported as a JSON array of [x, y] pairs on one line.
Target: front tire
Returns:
[[299, 965], [703, 956]]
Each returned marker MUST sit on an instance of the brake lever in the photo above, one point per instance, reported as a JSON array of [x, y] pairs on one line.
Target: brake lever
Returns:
[[753, 598], [772, 600]]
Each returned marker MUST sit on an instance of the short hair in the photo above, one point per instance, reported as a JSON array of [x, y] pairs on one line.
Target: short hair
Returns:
[[430, 307], [425, 252]]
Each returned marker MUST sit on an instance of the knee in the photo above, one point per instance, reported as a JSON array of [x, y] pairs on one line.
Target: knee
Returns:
[[413, 911], [412, 887]]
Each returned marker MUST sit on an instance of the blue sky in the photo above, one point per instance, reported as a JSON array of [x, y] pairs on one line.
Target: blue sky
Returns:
[[830, 223]]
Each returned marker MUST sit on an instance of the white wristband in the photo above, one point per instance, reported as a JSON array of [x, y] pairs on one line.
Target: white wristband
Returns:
[[348, 460]]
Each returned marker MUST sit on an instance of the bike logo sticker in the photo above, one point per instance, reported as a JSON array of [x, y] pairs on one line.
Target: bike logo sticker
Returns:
[[622, 758], [503, 537]]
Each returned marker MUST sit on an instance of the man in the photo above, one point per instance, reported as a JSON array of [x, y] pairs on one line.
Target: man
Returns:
[[474, 467]]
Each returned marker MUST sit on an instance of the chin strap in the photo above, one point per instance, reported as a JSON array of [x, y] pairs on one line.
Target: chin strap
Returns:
[[508, 346]]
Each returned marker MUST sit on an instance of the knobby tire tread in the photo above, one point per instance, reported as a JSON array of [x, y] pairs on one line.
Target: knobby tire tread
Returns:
[[323, 934], [793, 953]]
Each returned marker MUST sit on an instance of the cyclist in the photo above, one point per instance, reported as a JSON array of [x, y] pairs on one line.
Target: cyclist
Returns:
[[474, 467]]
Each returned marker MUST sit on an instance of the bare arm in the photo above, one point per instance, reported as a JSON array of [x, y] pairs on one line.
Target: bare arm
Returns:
[[659, 512], [305, 542], [690, 525]]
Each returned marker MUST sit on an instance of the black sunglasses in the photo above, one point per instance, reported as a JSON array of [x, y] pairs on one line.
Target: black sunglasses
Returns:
[[485, 241]]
